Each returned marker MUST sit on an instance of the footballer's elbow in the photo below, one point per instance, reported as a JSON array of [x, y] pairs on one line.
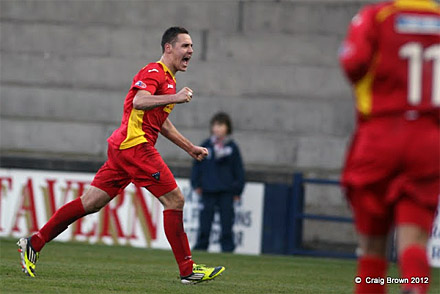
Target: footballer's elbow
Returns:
[[355, 63], [139, 101], [137, 104], [354, 71]]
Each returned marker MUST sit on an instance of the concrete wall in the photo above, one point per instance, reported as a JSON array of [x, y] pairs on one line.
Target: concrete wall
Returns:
[[66, 67]]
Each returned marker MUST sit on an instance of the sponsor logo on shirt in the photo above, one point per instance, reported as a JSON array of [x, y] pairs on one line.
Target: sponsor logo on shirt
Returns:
[[417, 24], [140, 84], [153, 70], [170, 86]]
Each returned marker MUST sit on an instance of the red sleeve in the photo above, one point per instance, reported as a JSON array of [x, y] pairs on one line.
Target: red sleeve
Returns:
[[149, 78], [358, 48]]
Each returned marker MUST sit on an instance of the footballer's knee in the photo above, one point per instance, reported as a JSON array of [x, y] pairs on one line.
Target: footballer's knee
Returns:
[[409, 235], [373, 245], [94, 199], [173, 200]]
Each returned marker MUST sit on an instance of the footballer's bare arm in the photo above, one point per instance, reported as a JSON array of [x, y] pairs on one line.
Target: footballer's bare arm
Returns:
[[170, 132], [144, 100]]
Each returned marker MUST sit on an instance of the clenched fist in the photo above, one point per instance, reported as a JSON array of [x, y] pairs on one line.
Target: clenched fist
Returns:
[[198, 153], [184, 95]]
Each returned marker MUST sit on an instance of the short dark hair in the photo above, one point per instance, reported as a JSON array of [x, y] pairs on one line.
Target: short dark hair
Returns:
[[170, 35], [222, 118]]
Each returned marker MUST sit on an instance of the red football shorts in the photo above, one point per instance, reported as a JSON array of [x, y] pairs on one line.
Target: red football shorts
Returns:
[[392, 173], [141, 165]]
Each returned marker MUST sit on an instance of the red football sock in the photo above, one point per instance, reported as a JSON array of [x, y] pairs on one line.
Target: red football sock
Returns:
[[59, 222], [413, 263], [173, 225], [371, 267]]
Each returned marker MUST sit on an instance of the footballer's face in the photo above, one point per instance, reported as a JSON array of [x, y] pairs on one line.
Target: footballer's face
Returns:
[[181, 52]]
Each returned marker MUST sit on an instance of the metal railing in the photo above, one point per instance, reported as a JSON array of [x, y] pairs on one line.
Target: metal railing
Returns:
[[298, 216]]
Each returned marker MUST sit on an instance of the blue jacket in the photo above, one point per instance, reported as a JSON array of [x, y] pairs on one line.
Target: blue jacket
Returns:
[[219, 174]]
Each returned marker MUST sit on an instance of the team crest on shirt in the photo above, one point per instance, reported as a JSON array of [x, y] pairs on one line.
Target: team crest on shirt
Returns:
[[156, 176], [141, 84]]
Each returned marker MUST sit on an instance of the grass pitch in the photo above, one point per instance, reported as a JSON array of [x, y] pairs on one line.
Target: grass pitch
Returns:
[[80, 268]]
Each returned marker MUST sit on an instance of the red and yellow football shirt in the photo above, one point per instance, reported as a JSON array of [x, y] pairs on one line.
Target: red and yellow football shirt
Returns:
[[392, 56], [140, 126]]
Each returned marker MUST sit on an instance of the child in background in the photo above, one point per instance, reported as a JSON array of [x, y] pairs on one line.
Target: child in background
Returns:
[[219, 179]]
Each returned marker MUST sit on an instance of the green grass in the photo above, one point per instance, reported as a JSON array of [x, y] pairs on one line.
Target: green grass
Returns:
[[79, 268]]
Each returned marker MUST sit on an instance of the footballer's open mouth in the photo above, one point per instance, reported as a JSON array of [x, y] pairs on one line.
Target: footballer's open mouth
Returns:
[[185, 60]]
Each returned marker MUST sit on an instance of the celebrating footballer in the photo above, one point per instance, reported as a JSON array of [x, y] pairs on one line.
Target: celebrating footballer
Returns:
[[133, 158]]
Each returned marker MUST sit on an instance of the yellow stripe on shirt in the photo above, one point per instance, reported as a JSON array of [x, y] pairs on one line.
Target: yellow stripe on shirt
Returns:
[[364, 89], [135, 134], [166, 69], [422, 5], [363, 93], [398, 5]]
